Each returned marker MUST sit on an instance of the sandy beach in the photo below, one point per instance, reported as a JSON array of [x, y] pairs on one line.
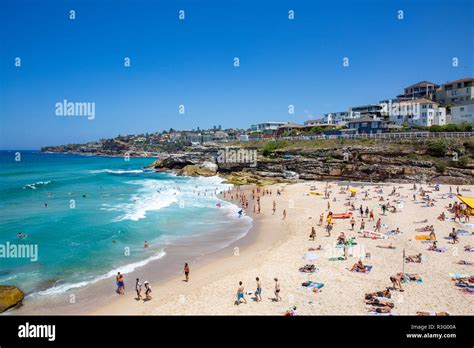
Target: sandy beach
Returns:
[[275, 248]]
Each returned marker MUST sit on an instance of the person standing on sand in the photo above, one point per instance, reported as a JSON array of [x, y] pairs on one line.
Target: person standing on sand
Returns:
[[240, 294], [186, 271], [284, 214], [258, 292], [274, 207], [372, 217], [362, 225], [321, 217], [277, 290], [138, 289], [120, 283], [313, 233], [378, 225], [352, 223], [147, 290]]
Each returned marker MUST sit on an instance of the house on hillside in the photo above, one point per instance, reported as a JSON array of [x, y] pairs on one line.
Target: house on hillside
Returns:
[[367, 125]]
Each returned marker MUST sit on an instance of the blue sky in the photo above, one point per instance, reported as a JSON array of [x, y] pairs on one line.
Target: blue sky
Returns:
[[190, 62]]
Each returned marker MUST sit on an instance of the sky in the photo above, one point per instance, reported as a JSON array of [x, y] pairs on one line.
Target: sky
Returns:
[[190, 62]]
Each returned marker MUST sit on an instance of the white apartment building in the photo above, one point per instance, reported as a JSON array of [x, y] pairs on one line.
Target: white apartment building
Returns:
[[417, 112], [267, 126], [455, 92], [337, 118], [463, 113]]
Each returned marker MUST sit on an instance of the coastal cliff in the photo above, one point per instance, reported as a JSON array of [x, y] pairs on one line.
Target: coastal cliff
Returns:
[[447, 161]]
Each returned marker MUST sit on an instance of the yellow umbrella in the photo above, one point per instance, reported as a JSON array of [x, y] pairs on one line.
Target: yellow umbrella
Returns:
[[469, 202]]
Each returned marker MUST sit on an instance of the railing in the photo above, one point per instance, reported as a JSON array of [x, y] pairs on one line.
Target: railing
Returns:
[[402, 135]]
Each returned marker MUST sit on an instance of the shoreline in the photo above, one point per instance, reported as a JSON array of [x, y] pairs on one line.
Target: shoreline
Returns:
[[217, 263], [274, 246], [164, 268]]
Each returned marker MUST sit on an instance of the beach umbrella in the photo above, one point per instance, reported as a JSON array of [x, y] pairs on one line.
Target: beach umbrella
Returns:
[[352, 190], [469, 201]]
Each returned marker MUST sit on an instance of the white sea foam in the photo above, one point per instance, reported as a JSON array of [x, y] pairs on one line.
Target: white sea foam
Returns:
[[36, 184], [151, 196], [58, 289]]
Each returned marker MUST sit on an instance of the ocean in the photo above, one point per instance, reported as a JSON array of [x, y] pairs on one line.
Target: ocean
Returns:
[[90, 216]]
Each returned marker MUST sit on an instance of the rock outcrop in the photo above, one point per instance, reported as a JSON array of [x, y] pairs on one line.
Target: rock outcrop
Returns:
[[412, 162], [10, 296]]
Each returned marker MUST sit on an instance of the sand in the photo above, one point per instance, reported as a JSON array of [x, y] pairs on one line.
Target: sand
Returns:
[[275, 247]]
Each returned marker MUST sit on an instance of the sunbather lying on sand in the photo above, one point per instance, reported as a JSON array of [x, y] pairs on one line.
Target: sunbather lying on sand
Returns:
[[412, 277], [423, 313], [425, 229], [308, 269], [421, 222], [413, 258], [385, 309], [358, 267], [463, 282], [385, 293], [390, 246], [377, 302], [465, 263], [442, 216], [467, 248], [315, 249]]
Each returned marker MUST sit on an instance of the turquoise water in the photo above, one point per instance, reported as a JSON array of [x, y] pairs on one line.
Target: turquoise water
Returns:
[[99, 212]]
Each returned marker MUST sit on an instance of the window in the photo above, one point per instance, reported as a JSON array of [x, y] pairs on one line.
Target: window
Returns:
[[364, 124], [374, 124], [461, 109]]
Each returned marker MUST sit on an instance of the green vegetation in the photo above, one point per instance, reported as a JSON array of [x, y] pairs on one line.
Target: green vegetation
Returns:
[[271, 146], [463, 127], [463, 161], [437, 148], [440, 166]]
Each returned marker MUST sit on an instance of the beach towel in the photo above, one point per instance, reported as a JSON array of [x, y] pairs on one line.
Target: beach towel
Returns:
[[463, 233], [312, 285], [468, 290], [459, 276], [423, 237], [368, 268], [439, 250], [342, 216], [374, 235], [310, 256], [341, 246], [314, 193], [376, 313]]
